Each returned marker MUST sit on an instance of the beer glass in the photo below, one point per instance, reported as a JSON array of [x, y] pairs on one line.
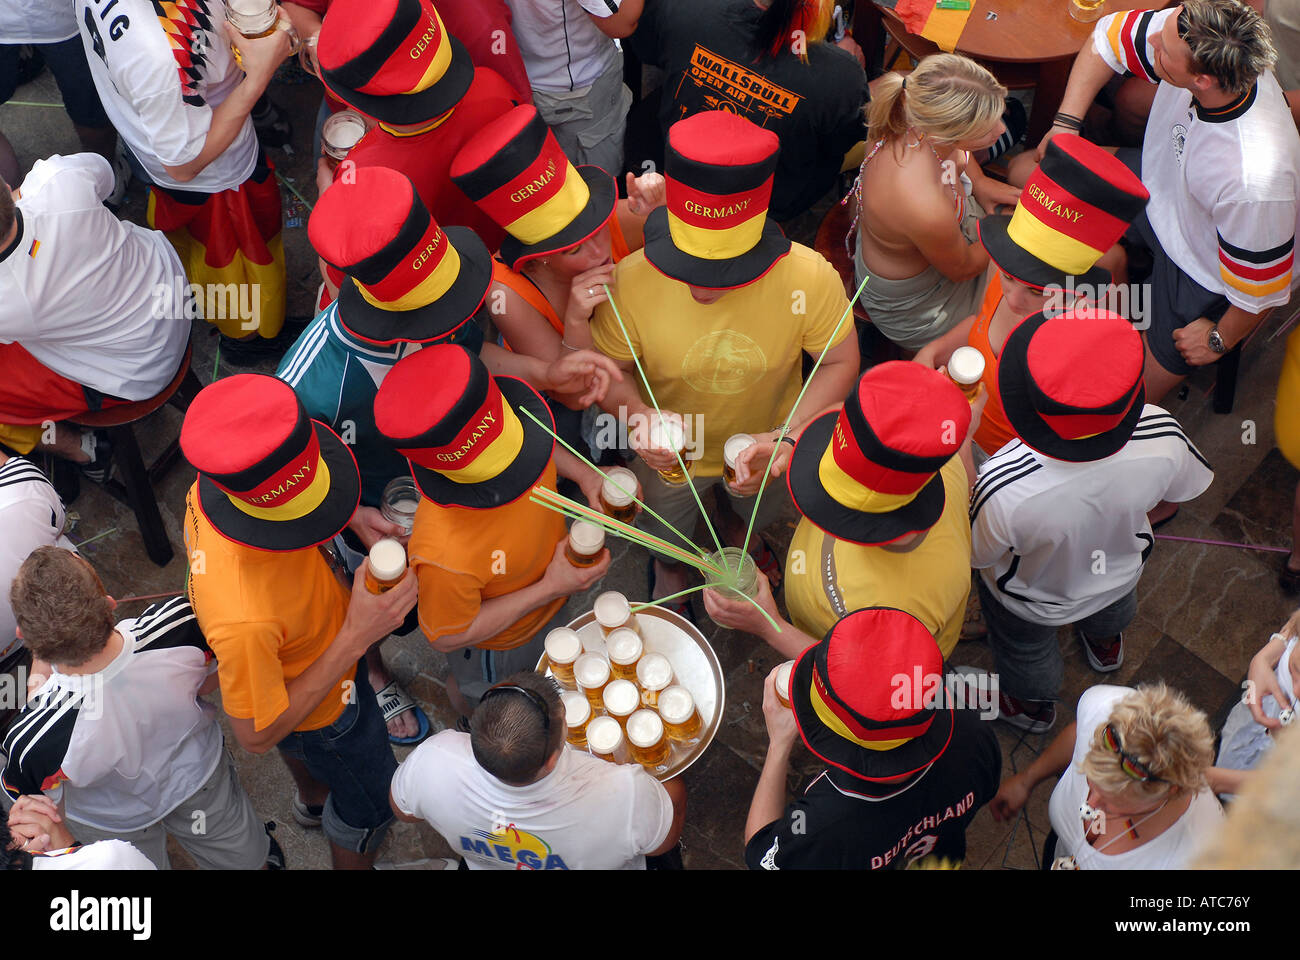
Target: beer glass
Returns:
[[741, 566], [965, 368], [734, 447], [782, 683], [259, 18], [563, 647], [340, 134], [605, 739], [613, 611], [667, 433], [577, 714], [681, 718], [1087, 11], [591, 671], [586, 541], [624, 647], [399, 501], [653, 674], [618, 494], [621, 699], [647, 743], [387, 565]]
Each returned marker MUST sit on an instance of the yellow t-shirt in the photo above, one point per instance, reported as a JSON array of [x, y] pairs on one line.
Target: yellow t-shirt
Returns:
[[931, 582], [732, 366], [267, 615]]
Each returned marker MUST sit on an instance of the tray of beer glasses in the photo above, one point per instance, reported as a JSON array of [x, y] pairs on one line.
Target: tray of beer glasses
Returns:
[[641, 687]]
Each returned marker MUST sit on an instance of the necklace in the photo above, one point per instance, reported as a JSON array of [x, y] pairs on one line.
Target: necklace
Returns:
[[1070, 863]]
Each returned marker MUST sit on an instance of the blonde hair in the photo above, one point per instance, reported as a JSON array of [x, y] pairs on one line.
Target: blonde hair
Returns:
[[1262, 831], [947, 97], [1163, 732], [1229, 41]]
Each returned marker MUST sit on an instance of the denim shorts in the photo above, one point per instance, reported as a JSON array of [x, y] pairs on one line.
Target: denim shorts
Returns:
[[352, 757]]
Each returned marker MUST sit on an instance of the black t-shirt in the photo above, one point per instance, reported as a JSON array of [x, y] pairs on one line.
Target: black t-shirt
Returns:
[[844, 823], [816, 108]]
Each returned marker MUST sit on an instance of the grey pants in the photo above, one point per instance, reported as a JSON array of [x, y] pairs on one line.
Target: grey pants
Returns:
[[589, 122]]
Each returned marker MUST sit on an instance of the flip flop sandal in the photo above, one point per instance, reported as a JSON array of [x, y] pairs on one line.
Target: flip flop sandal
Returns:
[[770, 564], [394, 701], [681, 606]]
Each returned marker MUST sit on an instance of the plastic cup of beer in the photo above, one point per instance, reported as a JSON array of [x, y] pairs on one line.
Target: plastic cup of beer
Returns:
[[260, 18], [782, 683], [340, 134], [399, 501], [681, 718], [621, 699], [563, 648], [577, 714], [591, 673], [586, 541], [733, 448], [667, 433], [647, 743], [654, 674], [613, 611], [618, 495], [387, 565], [966, 368], [605, 739], [1087, 11], [624, 647]]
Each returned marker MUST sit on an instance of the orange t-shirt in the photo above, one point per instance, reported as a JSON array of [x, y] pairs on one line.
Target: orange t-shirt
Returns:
[[994, 430], [464, 557], [267, 615]]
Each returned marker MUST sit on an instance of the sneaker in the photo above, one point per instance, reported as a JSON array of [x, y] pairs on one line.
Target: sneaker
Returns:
[[257, 350], [305, 816], [1104, 658], [274, 131], [95, 444], [274, 856], [121, 177], [1032, 716]]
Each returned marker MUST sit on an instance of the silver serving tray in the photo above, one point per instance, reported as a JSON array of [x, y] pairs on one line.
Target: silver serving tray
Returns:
[[695, 666]]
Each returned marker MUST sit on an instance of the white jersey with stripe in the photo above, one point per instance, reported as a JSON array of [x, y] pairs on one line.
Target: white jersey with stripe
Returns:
[[1225, 183], [1056, 542], [122, 748]]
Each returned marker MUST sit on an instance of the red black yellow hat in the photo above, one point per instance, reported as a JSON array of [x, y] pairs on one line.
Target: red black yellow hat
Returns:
[[461, 429], [1075, 207], [864, 698], [392, 59], [516, 172], [869, 474], [269, 476], [409, 279], [714, 231], [1071, 385]]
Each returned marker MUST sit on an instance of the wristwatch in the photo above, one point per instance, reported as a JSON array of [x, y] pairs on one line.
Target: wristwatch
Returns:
[[1216, 341]]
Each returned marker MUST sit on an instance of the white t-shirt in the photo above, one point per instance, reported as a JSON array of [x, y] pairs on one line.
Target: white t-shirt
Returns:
[[31, 516], [160, 79], [1056, 542], [36, 21], [1172, 850], [586, 814], [92, 297], [561, 46], [102, 855], [1225, 183]]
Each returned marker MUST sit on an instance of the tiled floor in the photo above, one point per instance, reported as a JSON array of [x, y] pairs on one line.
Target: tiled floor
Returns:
[[1203, 609]]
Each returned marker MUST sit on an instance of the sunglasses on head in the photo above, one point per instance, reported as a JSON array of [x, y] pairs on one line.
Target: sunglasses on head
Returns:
[[1131, 766]]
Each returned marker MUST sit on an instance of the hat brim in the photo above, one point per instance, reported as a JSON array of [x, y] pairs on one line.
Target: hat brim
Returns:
[[318, 526], [602, 200], [1013, 387], [665, 256], [1019, 264], [844, 523], [421, 107], [873, 765], [515, 480], [431, 321]]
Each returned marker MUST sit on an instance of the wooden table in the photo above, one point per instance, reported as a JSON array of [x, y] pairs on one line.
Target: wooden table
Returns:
[[1031, 43]]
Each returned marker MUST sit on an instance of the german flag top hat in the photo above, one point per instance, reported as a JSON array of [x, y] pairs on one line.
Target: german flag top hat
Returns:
[[516, 172], [462, 429], [270, 477], [869, 474], [847, 703], [714, 231], [1075, 207], [1071, 385], [392, 59], [408, 278]]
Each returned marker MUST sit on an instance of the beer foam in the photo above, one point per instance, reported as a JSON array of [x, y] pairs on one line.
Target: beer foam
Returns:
[[783, 678], [591, 670], [576, 708], [604, 734], [342, 131], [676, 704], [966, 365], [666, 433], [621, 697], [735, 445], [654, 671], [387, 559], [623, 645], [612, 609], [563, 645], [587, 538], [626, 479], [644, 728]]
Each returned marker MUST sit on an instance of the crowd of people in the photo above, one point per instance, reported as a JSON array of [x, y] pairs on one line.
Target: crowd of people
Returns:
[[512, 253]]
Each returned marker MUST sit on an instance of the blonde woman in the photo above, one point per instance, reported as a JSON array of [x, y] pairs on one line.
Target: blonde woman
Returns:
[[916, 215], [1132, 793]]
